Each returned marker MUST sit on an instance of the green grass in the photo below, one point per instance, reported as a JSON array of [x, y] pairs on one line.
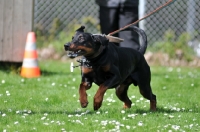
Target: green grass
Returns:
[[50, 103]]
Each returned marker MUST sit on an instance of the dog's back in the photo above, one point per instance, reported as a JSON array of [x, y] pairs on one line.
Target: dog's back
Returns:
[[126, 59]]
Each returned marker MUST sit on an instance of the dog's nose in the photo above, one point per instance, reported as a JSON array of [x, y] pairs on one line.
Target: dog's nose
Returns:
[[67, 46]]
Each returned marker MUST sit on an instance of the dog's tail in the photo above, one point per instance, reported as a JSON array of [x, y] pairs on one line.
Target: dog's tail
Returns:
[[143, 36]]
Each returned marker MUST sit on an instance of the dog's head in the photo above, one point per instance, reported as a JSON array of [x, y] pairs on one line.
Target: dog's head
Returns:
[[85, 44]]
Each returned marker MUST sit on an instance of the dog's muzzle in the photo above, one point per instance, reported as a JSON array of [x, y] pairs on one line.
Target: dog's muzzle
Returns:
[[71, 54], [66, 46]]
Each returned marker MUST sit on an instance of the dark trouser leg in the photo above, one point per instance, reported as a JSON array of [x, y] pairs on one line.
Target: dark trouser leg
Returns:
[[127, 16], [108, 19]]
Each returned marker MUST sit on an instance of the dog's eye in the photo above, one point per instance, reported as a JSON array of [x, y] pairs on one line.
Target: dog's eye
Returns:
[[80, 39]]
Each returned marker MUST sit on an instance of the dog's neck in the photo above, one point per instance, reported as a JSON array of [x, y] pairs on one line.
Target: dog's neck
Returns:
[[95, 55]]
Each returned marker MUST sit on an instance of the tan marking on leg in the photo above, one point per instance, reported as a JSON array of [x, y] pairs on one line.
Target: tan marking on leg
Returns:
[[98, 98]]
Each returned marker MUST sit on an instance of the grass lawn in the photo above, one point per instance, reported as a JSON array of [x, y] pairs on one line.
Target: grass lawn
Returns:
[[50, 103]]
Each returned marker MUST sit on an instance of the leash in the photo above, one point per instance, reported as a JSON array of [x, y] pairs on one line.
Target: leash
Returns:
[[151, 13]]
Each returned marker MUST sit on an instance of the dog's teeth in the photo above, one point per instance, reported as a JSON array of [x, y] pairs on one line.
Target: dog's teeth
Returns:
[[79, 51]]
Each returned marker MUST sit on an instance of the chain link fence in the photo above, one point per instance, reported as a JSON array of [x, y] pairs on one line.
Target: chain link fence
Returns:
[[68, 12], [181, 16]]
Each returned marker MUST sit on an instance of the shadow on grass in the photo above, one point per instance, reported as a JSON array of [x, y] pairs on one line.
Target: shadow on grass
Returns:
[[52, 73], [81, 112], [165, 110], [10, 67], [13, 67], [52, 112], [92, 112], [159, 110]]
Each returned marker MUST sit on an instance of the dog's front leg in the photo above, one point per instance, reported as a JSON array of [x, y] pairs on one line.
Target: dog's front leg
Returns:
[[86, 84], [109, 83], [98, 98], [82, 93]]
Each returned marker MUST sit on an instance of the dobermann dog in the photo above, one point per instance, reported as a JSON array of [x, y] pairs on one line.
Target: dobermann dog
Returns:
[[111, 66]]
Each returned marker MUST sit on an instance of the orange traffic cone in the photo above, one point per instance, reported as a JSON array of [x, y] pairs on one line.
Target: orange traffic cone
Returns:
[[30, 67]]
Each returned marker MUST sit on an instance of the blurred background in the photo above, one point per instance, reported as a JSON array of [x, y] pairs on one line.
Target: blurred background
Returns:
[[181, 16], [173, 32]]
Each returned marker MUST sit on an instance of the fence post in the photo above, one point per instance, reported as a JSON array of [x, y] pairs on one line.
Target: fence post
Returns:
[[191, 16]]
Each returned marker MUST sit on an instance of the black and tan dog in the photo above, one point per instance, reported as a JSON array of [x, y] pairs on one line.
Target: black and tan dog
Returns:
[[110, 66]]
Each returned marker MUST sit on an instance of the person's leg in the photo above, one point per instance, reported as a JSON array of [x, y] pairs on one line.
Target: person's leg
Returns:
[[127, 16], [108, 19]]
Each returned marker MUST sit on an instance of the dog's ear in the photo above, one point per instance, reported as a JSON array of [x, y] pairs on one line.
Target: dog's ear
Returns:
[[94, 38], [100, 39], [103, 40], [81, 29]]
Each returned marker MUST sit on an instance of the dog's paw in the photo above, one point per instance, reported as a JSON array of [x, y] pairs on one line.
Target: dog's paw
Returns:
[[153, 105], [97, 105], [83, 102], [126, 106], [84, 105]]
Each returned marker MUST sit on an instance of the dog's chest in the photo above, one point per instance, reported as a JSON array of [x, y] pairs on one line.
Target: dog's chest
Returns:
[[100, 75]]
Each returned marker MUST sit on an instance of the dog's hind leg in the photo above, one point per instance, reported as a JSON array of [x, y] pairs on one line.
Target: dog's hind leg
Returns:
[[150, 96], [144, 76], [143, 79], [121, 92]]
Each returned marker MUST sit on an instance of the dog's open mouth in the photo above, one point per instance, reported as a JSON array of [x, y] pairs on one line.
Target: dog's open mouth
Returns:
[[73, 54]]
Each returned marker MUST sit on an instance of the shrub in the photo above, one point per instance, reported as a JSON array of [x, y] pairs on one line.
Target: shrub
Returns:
[[173, 46], [58, 38]]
